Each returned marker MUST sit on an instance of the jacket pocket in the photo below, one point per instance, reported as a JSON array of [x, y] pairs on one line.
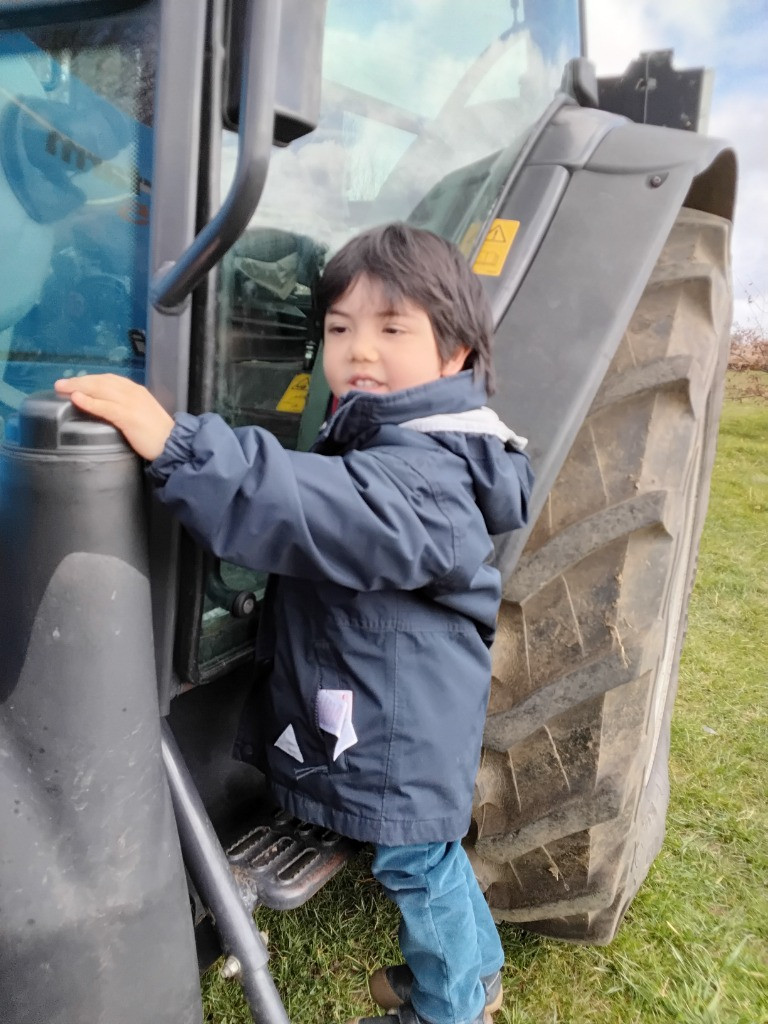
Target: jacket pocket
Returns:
[[334, 709], [333, 715], [353, 701]]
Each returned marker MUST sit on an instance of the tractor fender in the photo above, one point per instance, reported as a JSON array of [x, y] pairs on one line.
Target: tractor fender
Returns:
[[596, 198]]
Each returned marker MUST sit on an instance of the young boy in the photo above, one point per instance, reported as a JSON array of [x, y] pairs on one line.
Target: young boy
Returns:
[[383, 602]]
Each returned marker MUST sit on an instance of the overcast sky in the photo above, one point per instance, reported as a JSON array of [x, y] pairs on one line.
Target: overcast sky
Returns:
[[731, 37]]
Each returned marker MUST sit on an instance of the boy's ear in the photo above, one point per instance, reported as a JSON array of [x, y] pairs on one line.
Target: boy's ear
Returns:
[[455, 363]]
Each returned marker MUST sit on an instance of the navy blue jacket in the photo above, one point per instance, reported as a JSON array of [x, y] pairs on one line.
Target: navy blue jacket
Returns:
[[380, 619]]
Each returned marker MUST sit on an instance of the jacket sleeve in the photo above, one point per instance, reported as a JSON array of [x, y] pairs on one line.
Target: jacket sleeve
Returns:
[[367, 521]]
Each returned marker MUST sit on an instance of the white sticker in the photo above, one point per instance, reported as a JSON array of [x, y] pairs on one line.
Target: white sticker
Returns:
[[334, 715], [287, 741]]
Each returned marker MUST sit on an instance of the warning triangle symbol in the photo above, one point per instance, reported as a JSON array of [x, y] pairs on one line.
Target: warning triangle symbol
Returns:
[[496, 235]]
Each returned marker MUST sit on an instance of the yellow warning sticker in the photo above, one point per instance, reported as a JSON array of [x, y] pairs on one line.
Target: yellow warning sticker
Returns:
[[295, 397], [495, 249]]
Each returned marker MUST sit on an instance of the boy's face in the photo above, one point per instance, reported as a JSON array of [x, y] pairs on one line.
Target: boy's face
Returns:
[[371, 346]]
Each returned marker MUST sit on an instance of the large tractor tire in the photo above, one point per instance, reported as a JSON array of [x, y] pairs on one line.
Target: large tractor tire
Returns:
[[572, 791]]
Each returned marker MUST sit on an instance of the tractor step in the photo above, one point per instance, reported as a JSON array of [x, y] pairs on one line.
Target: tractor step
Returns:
[[282, 861]]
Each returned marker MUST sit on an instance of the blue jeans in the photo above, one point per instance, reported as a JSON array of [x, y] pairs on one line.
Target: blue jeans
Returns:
[[447, 935]]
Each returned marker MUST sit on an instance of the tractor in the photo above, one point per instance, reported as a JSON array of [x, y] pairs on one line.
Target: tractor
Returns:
[[174, 175]]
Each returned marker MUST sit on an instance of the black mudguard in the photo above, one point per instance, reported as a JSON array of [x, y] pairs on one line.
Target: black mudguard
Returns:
[[596, 197]]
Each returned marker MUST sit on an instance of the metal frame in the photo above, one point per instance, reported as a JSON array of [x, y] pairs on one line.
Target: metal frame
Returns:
[[583, 27], [178, 102]]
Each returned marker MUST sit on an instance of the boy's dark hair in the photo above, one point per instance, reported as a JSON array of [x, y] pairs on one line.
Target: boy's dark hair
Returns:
[[431, 272]]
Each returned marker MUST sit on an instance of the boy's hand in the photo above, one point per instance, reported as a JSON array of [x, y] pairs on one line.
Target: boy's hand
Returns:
[[143, 422]]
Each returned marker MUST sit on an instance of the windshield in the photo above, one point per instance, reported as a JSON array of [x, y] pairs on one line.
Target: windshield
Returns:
[[411, 93]]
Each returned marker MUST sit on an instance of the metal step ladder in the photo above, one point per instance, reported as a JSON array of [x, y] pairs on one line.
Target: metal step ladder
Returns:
[[280, 862]]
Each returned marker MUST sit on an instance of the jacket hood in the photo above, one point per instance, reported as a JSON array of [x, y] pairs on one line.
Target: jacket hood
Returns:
[[451, 412]]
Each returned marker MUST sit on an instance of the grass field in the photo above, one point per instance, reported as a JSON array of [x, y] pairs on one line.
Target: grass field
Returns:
[[694, 945]]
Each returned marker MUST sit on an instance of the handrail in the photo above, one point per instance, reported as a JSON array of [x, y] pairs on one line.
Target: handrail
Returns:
[[171, 287], [248, 958]]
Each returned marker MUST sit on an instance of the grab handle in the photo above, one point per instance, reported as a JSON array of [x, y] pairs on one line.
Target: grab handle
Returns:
[[172, 286]]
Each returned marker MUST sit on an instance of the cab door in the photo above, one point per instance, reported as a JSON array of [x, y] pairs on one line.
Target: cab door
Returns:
[[95, 922]]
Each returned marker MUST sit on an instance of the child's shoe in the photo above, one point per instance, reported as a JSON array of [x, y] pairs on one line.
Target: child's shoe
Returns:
[[405, 1014], [390, 987]]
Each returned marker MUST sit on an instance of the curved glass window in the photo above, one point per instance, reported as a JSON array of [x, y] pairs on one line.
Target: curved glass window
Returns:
[[411, 93], [75, 166]]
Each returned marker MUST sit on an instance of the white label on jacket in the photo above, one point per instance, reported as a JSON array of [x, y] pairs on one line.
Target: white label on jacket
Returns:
[[334, 715], [287, 741]]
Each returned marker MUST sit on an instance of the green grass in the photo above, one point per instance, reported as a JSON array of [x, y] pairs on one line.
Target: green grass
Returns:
[[694, 945]]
